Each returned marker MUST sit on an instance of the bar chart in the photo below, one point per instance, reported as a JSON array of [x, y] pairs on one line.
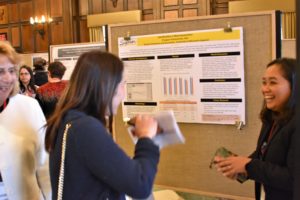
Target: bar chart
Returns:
[[178, 86]]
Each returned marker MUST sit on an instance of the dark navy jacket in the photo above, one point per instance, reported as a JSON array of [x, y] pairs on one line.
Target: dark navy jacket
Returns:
[[275, 169], [96, 167]]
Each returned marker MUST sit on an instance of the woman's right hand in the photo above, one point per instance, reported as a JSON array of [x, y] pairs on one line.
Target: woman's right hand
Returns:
[[232, 165], [145, 126]]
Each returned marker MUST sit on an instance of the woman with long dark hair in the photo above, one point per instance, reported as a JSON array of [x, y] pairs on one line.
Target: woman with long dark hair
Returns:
[[95, 166], [271, 164], [26, 81]]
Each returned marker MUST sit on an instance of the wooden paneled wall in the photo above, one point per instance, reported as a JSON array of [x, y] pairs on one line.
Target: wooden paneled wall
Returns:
[[24, 36], [219, 6], [171, 9], [69, 23]]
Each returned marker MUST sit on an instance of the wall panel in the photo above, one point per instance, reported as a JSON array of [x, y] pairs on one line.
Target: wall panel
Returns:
[[190, 12], [171, 14], [27, 39], [15, 36], [40, 8], [83, 7], [84, 32], [171, 2], [147, 17], [133, 5], [185, 8], [96, 7], [147, 4], [4, 30], [56, 8], [42, 41], [56, 33], [26, 10], [3, 14], [67, 18], [13, 13], [219, 6], [189, 1], [111, 8]]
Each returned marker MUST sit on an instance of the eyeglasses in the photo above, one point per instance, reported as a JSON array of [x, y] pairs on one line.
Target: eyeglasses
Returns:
[[24, 73]]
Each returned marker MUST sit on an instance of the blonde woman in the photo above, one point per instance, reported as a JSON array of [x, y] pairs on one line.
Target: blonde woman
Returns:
[[23, 160]]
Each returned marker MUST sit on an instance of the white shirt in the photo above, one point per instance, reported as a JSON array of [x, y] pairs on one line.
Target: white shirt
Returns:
[[23, 159]]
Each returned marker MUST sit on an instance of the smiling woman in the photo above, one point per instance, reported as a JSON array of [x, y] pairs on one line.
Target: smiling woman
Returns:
[[275, 88], [7, 77], [278, 88], [271, 164], [23, 160], [8, 74]]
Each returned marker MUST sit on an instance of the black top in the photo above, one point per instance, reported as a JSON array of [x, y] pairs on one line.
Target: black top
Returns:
[[40, 77], [96, 167], [274, 168], [48, 96]]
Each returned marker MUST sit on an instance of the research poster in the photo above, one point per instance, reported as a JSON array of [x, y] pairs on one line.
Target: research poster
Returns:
[[69, 54], [199, 75]]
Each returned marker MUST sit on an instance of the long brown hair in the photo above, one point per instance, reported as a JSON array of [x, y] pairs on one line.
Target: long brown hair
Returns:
[[90, 90]]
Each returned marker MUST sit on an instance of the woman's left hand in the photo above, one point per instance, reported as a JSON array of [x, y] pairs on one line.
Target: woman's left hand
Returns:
[[232, 166]]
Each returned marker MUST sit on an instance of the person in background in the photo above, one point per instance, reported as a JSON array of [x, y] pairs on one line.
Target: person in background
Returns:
[[95, 166], [49, 93], [271, 164], [23, 159], [40, 73], [26, 81]]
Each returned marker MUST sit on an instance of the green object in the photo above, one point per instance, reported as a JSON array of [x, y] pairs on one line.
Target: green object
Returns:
[[241, 178], [223, 152]]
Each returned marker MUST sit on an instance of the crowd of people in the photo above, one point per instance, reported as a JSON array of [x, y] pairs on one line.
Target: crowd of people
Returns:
[[57, 134], [87, 103], [44, 86]]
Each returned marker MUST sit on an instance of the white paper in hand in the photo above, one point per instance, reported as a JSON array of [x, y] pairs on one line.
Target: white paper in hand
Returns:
[[170, 134]]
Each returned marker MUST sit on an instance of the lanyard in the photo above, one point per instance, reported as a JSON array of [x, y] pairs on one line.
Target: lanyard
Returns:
[[4, 105], [265, 144], [271, 132]]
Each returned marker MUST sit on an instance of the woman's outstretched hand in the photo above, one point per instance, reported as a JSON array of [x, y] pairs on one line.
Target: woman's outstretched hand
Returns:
[[145, 126]]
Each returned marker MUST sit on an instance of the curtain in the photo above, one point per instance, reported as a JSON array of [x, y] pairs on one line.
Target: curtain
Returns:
[[289, 25], [96, 34]]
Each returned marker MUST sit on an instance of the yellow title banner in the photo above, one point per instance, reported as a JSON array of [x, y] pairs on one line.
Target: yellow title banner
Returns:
[[189, 37]]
